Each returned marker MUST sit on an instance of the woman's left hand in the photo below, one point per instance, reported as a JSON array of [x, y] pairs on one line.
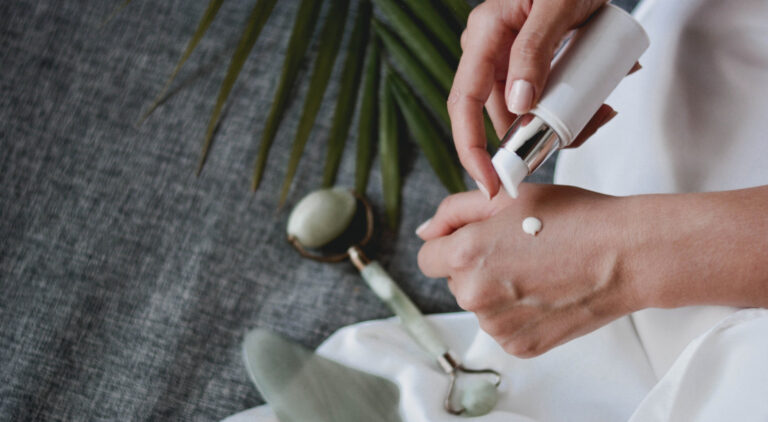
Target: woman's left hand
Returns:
[[532, 293]]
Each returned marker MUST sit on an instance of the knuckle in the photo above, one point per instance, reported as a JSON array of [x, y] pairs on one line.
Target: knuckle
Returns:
[[478, 16], [532, 46], [493, 327], [522, 346], [466, 251], [421, 259], [470, 300], [446, 204], [463, 39]]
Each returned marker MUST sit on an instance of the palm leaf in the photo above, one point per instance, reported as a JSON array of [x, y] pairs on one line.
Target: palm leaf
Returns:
[[350, 82], [420, 44], [303, 27], [330, 39], [459, 9], [427, 136], [389, 158], [368, 118], [420, 79], [256, 20], [205, 22], [434, 97], [430, 16]]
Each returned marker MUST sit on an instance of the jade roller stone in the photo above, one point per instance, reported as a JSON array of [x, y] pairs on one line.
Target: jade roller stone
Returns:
[[321, 216], [479, 397]]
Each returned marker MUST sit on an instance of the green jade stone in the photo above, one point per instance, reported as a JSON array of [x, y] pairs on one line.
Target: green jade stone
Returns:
[[302, 386], [321, 216], [410, 316], [479, 397]]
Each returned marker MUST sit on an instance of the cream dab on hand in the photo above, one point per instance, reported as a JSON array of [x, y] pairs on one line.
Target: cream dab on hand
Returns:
[[531, 225]]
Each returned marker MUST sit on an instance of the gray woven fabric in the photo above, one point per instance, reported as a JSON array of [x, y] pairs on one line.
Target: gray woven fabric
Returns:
[[126, 284]]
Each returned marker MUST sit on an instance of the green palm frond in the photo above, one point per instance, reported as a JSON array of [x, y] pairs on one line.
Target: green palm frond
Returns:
[[460, 10], [427, 136], [367, 126], [350, 82], [414, 36], [330, 39], [434, 96], [303, 27], [256, 21], [202, 27], [428, 14], [389, 158], [419, 42]]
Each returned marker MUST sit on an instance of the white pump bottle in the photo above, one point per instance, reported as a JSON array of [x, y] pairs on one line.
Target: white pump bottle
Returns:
[[587, 69]]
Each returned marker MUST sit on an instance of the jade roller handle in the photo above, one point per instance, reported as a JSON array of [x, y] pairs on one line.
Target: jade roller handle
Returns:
[[476, 399], [390, 293]]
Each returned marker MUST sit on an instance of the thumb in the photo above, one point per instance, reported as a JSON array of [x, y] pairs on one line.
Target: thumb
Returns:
[[533, 49]]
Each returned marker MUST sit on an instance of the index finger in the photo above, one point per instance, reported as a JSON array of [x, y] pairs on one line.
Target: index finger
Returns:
[[472, 85]]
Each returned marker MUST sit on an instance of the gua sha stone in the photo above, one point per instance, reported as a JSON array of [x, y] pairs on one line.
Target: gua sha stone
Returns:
[[321, 216], [302, 386]]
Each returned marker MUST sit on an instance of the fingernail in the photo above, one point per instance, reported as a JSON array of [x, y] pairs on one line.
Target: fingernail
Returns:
[[610, 116], [484, 190], [422, 227], [520, 97]]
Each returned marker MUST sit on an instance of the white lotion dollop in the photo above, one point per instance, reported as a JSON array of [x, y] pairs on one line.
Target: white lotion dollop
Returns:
[[531, 225]]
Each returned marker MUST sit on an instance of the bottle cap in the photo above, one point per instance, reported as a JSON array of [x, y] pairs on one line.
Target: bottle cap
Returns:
[[511, 170]]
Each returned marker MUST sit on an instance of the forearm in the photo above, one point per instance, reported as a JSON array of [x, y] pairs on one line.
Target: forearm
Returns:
[[697, 249]]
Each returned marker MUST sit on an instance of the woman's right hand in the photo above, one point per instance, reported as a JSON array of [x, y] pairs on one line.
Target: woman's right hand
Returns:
[[508, 46]]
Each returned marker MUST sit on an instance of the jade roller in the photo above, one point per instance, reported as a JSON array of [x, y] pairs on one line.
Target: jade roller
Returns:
[[320, 218]]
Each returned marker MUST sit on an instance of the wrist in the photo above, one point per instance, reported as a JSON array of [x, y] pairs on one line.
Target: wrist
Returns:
[[678, 250], [625, 238], [652, 229], [669, 249]]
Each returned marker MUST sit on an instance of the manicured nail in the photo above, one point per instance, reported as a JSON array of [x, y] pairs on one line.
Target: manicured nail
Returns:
[[422, 227], [483, 189], [520, 97], [610, 116]]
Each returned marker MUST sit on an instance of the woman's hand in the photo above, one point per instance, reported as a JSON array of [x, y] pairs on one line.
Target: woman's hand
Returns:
[[532, 293], [595, 259], [508, 46]]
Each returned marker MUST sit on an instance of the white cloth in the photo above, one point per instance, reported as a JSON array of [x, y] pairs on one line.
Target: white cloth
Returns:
[[694, 119], [602, 376]]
